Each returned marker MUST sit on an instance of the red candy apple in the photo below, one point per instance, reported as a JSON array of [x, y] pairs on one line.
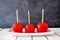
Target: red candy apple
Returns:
[[29, 28], [42, 27], [17, 27]]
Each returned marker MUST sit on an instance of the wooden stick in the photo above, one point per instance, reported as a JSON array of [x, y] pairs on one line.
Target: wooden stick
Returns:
[[28, 16], [42, 15], [17, 15]]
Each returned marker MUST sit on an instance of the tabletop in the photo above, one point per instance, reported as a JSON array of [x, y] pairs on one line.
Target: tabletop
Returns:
[[6, 36]]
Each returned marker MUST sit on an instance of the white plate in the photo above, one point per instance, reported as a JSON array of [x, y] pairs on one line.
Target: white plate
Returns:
[[34, 34], [31, 34]]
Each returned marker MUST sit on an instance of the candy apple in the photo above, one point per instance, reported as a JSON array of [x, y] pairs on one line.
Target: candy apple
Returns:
[[29, 28], [42, 27], [17, 27]]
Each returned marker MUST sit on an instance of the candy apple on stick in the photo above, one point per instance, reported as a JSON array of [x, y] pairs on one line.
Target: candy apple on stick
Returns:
[[42, 26], [29, 28], [17, 26]]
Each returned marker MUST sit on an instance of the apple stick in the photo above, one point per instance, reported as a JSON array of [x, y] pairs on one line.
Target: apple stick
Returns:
[[28, 16], [17, 15], [42, 15]]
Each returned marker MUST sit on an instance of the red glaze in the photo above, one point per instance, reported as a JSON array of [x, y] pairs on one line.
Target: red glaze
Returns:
[[29, 28], [17, 27], [42, 27]]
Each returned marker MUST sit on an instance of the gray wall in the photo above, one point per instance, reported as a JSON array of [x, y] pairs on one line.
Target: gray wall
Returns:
[[8, 7]]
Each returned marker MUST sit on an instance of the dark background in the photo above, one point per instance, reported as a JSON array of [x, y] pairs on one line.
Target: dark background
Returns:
[[8, 8]]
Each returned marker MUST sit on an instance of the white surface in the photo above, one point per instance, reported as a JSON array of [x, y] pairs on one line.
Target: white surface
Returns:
[[0, 28], [24, 38], [5, 30], [55, 29], [53, 37], [39, 38], [8, 37], [4, 35]]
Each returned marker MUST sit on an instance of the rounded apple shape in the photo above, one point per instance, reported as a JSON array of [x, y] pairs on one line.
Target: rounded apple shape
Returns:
[[42, 27], [17, 27], [29, 28]]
